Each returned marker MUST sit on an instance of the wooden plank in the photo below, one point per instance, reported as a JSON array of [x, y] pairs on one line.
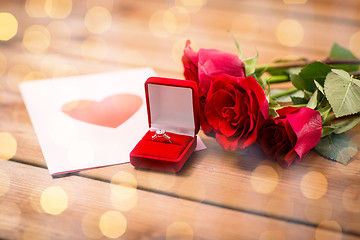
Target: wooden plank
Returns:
[[35, 204]]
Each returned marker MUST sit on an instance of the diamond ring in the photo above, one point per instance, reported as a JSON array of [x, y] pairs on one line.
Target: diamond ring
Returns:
[[161, 134]]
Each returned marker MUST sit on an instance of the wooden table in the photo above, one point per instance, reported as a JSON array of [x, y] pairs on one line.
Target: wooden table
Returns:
[[219, 194]]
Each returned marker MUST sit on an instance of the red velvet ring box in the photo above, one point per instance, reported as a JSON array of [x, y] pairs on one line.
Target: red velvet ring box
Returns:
[[172, 106]]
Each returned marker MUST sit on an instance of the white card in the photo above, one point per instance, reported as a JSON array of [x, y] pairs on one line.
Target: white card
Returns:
[[89, 121]]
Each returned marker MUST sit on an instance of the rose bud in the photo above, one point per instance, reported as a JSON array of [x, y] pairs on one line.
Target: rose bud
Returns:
[[235, 108], [291, 135]]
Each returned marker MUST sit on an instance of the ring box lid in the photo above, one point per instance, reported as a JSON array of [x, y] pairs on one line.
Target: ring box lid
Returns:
[[172, 105]]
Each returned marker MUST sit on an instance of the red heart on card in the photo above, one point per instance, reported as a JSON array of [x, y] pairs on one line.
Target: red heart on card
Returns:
[[110, 112]]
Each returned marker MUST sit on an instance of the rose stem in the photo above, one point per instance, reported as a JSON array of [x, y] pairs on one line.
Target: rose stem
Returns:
[[285, 93], [284, 65], [278, 79], [280, 107]]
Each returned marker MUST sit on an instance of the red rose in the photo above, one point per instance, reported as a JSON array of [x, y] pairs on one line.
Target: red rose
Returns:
[[235, 108], [201, 66], [291, 135]]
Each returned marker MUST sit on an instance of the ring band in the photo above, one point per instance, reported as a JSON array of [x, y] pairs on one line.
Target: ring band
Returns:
[[161, 134]]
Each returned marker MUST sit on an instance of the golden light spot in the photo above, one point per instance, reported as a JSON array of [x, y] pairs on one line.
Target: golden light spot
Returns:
[[3, 63], [36, 39], [108, 4], [54, 200], [11, 213], [90, 225], [351, 198], [112, 224], [35, 8], [161, 181], [295, 1], [94, 48], [36, 232], [123, 191], [58, 8], [34, 75], [81, 153], [272, 234], [352, 168], [60, 34], [290, 32], [282, 206], [4, 183], [318, 210], [245, 25], [178, 21], [156, 23], [328, 229], [192, 6], [313, 185], [264, 179], [98, 20], [192, 189], [8, 146], [8, 26], [132, 57], [354, 44], [179, 230], [16, 75]]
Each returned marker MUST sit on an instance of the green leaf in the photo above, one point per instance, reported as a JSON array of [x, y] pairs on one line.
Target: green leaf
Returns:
[[297, 81], [314, 71], [344, 126], [313, 100], [324, 112], [321, 89], [337, 147], [343, 93], [338, 52], [237, 45], [327, 130], [250, 64], [299, 100]]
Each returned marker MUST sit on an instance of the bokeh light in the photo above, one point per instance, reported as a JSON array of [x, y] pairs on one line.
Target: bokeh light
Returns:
[[35, 8], [163, 23], [4, 182], [245, 25], [36, 39], [35, 201], [60, 34], [318, 210], [54, 200], [123, 191], [354, 44], [11, 213], [264, 179], [80, 153], [290, 32], [313, 185], [192, 6], [8, 26], [98, 20], [113, 224], [8, 145], [271, 235], [34, 75], [352, 168], [36, 232], [94, 48], [90, 225], [58, 8], [179, 230], [328, 229], [351, 198]]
